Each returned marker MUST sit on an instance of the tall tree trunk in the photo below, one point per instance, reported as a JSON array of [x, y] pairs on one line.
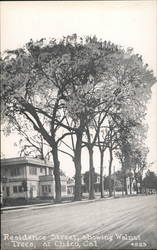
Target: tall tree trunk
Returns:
[[140, 181], [101, 173], [124, 166], [125, 185], [56, 174], [91, 174], [77, 190], [122, 189], [136, 181], [130, 180], [110, 168], [136, 186], [77, 162]]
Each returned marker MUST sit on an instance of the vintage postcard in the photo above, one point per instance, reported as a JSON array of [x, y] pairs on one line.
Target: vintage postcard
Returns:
[[78, 125]]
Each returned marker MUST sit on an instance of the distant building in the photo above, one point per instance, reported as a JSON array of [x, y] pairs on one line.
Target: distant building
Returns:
[[84, 187], [70, 186], [25, 177], [85, 184]]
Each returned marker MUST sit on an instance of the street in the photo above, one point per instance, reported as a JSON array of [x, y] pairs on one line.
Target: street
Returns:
[[124, 223]]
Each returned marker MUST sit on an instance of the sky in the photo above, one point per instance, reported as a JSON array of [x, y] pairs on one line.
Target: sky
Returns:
[[127, 23]]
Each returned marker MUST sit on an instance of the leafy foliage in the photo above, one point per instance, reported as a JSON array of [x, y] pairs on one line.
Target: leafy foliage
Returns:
[[69, 86], [150, 180]]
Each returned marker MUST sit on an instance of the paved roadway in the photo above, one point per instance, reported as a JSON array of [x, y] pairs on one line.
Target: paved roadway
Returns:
[[124, 223]]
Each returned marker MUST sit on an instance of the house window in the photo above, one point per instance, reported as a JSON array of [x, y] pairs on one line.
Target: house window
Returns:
[[50, 171], [63, 188], [41, 170], [15, 172], [46, 188], [33, 170], [49, 188], [17, 189], [20, 189]]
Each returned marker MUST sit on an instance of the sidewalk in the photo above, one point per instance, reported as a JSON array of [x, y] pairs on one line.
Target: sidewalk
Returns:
[[45, 205], [24, 206]]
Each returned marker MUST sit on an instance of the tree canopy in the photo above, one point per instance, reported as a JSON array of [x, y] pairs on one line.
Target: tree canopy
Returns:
[[65, 87]]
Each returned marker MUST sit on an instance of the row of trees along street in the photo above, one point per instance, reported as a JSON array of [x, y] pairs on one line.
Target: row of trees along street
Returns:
[[78, 92], [148, 184]]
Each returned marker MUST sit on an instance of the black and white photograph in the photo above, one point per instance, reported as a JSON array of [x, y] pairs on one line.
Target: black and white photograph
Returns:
[[78, 125]]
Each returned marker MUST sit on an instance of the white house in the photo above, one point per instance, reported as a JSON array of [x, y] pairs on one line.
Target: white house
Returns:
[[26, 177]]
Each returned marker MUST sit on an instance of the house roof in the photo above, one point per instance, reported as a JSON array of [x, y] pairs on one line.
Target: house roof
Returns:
[[25, 160], [88, 172]]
